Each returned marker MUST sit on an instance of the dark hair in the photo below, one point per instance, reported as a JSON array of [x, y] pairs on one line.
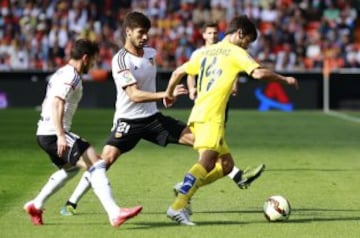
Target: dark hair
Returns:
[[243, 23], [136, 19], [209, 24], [83, 47]]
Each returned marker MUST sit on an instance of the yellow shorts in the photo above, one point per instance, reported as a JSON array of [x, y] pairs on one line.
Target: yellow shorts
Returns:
[[209, 136]]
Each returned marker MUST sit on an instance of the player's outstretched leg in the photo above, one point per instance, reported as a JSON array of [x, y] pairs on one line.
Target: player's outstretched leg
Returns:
[[249, 175], [102, 189], [35, 213], [125, 214]]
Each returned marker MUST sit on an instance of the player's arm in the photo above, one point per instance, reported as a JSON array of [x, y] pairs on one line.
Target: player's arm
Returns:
[[175, 78], [191, 85], [268, 75], [57, 115], [234, 89], [139, 96]]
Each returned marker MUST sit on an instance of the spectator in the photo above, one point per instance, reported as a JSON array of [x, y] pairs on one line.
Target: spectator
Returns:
[[45, 29]]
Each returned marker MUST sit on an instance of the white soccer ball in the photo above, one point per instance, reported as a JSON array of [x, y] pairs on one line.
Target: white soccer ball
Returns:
[[277, 208]]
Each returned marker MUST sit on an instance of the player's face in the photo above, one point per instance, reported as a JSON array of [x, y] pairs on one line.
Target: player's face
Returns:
[[244, 41], [138, 37], [88, 64], [210, 35]]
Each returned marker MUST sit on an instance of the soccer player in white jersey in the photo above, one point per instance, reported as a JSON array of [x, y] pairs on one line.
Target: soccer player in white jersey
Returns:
[[68, 151], [137, 116]]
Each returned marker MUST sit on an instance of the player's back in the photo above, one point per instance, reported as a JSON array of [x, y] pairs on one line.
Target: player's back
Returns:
[[217, 67], [66, 84]]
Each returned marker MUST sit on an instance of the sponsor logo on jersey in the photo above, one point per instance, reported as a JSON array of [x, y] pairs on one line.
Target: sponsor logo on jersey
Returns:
[[118, 135], [127, 76], [151, 60]]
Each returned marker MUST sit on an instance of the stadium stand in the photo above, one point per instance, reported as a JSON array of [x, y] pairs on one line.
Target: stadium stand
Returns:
[[294, 34]]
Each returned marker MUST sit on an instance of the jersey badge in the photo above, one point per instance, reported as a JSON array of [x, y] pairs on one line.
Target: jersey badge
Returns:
[[127, 76], [151, 60]]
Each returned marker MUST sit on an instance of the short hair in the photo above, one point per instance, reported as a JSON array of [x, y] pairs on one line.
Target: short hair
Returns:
[[136, 19], [83, 47], [243, 23], [211, 24]]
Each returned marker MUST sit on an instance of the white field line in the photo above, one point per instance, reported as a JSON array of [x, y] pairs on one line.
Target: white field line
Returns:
[[343, 116]]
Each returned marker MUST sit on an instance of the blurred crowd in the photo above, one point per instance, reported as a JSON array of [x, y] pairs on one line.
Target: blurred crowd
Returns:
[[293, 34]]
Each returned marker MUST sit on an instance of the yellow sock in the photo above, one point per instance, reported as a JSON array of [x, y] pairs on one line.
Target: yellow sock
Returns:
[[192, 181], [214, 174]]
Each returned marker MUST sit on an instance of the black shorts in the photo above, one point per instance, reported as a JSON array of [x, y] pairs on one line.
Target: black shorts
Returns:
[[158, 129], [77, 146]]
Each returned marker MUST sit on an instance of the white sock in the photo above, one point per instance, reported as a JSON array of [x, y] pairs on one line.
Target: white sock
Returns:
[[56, 181], [101, 186], [83, 186], [233, 172]]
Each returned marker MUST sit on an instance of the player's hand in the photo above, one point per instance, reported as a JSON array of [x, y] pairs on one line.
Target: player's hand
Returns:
[[61, 145], [170, 98], [292, 81], [168, 102], [180, 90]]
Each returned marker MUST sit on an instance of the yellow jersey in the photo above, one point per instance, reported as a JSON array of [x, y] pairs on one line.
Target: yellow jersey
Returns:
[[217, 66]]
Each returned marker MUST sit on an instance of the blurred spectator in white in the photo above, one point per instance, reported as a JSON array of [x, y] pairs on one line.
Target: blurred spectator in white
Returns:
[[285, 59], [78, 16], [19, 56], [3, 65], [156, 8], [313, 51], [269, 13], [352, 56], [251, 9]]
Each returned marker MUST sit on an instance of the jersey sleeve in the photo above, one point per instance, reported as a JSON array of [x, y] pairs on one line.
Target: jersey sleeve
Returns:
[[244, 61], [121, 71]]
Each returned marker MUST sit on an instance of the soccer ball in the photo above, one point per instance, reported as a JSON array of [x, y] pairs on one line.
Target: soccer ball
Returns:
[[277, 208]]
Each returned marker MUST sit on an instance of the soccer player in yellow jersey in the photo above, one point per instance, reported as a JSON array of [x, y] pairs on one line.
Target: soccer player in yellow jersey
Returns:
[[217, 67]]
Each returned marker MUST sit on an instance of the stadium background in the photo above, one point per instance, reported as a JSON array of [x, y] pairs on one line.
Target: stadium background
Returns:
[[296, 37]]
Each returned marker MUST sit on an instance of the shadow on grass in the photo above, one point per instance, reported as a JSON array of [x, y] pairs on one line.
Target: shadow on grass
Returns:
[[152, 225], [300, 215], [311, 169], [323, 219]]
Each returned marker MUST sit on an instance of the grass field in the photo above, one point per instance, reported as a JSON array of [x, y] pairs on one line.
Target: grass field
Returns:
[[312, 159]]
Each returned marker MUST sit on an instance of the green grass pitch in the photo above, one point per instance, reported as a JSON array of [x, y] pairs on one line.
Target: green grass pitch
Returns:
[[312, 159]]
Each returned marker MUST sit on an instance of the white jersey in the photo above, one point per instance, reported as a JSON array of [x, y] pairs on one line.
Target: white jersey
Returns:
[[66, 84], [128, 69], [197, 51]]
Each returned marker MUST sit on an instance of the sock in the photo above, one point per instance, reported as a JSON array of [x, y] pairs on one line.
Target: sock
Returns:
[[83, 186], [56, 181], [101, 186], [214, 174], [192, 181], [235, 174]]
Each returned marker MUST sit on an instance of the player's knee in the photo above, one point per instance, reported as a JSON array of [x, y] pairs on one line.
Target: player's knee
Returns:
[[110, 155], [109, 160]]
